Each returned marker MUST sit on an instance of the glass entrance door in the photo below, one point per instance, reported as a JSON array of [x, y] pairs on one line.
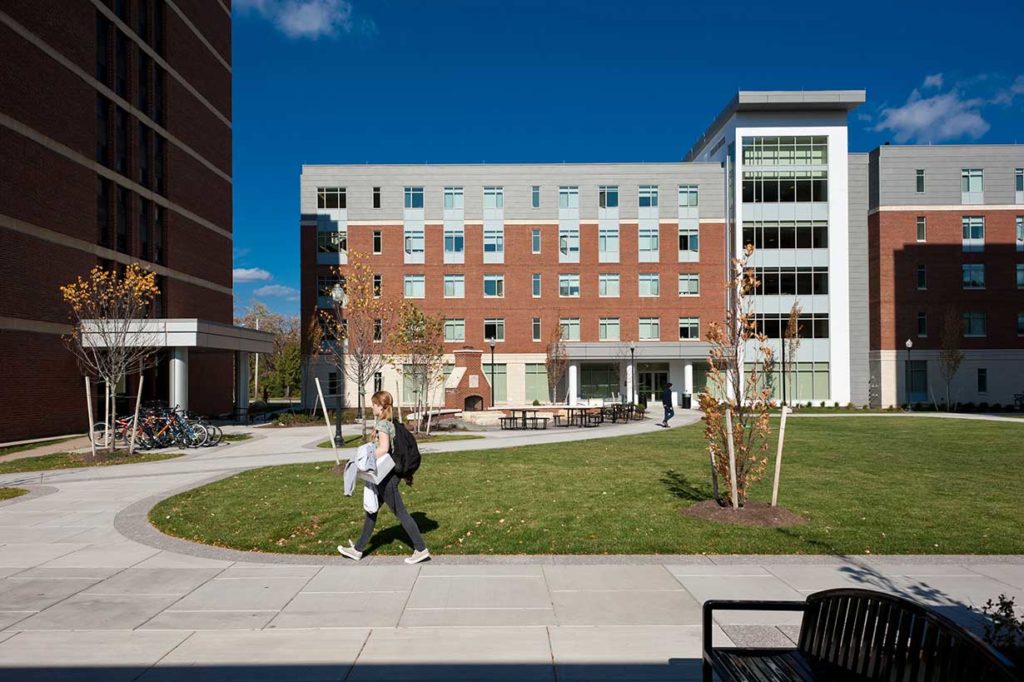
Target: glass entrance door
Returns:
[[652, 383]]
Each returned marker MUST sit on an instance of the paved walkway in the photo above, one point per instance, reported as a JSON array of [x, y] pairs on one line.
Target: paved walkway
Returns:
[[89, 591]]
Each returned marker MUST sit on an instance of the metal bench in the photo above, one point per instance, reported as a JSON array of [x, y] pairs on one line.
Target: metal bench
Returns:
[[537, 423], [508, 423], [852, 635]]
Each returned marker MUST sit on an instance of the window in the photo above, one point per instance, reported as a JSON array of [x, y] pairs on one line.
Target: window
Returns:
[[494, 244], [608, 244], [1018, 180], [121, 226], [650, 329], [688, 196], [1020, 324], [378, 242], [159, 162], [973, 275], [120, 64], [454, 243], [102, 133], [535, 196], [454, 330], [568, 197], [648, 196], [536, 285], [975, 324], [569, 244], [922, 324], [974, 233], [788, 281], [378, 382], [120, 140], [771, 187], [919, 173], [570, 328], [689, 284], [536, 382], [1020, 233], [378, 331], [922, 229], [158, 237], [331, 242], [414, 197], [497, 375], [333, 383], [972, 180], [454, 286], [494, 328], [689, 328], [649, 284], [922, 277], [415, 286], [453, 199], [494, 286], [536, 329], [608, 196], [535, 240], [785, 150], [494, 197], [378, 285], [414, 244], [982, 380], [376, 197], [809, 325], [325, 285], [102, 47], [608, 329], [648, 244], [774, 234], [103, 210], [143, 149], [608, 286], [689, 242], [1020, 275], [330, 197], [144, 243], [569, 286]]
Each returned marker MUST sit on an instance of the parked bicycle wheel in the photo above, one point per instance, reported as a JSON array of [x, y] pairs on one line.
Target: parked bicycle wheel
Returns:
[[99, 433], [215, 435]]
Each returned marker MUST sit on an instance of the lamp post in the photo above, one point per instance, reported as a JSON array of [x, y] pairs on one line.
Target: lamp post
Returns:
[[909, 344], [632, 365], [491, 341], [340, 301]]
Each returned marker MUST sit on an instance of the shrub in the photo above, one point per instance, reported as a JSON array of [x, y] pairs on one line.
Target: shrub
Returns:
[[983, 406], [1003, 629], [823, 403], [536, 403]]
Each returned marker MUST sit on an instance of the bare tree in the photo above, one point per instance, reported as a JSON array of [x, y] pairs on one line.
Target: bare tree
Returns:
[[950, 356], [418, 341], [353, 332], [107, 338], [791, 339], [557, 361], [739, 361]]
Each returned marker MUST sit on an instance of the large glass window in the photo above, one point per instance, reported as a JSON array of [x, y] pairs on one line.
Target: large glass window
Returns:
[[608, 285], [325, 285], [494, 197], [331, 242], [570, 328], [648, 243], [608, 329], [498, 375], [414, 197], [972, 180], [650, 329], [414, 241], [689, 328], [453, 199], [415, 286], [608, 196], [494, 243], [494, 328], [973, 233], [774, 234], [689, 284], [648, 196], [569, 285], [330, 197], [536, 382], [975, 323], [494, 286], [688, 196], [454, 240], [785, 150], [599, 381], [809, 325], [454, 330], [650, 285], [608, 244], [454, 286], [568, 197], [568, 244], [803, 281], [771, 187], [973, 275]]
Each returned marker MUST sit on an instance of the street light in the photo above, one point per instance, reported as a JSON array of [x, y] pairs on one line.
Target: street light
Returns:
[[632, 364], [491, 341], [909, 344], [340, 300]]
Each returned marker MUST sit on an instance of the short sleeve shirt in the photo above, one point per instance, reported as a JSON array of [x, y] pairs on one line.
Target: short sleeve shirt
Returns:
[[384, 426]]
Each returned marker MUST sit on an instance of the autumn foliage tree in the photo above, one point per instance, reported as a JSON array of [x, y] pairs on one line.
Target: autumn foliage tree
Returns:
[[556, 361], [739, 362], [105, 336], [417, 342]]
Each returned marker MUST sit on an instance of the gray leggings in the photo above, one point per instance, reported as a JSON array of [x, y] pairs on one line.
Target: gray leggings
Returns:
[[390, 495]]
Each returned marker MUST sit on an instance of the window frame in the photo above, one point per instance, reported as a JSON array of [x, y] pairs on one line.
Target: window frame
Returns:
[[339, 194], [454, 324], [652, 280], [606, 278], [648, 193], [412, 280], [919, 181], [499, 325], [413, 196], [499, 285], [604, 324], [689, 322], [652, 323], [457, 281], [565, 284], [604, 193]]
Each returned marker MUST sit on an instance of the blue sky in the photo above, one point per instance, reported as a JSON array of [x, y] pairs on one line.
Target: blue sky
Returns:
[[467, 81]]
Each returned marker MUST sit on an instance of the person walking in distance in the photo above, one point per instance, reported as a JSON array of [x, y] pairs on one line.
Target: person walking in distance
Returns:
[[666, 401], [384, 435]]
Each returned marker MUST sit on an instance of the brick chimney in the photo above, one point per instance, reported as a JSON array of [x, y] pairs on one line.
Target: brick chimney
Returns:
[[467, 388]]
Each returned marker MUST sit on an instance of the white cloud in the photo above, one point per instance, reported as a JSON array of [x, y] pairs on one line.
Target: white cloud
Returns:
[[1007, 95], [251, 275], [278, 291], [303, 18], [943, 116], [933, 81]]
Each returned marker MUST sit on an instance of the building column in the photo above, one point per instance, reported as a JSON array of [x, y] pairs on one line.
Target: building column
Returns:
[[574, 382], [178, 394], [241, 385], [688, 381], [629, 397]]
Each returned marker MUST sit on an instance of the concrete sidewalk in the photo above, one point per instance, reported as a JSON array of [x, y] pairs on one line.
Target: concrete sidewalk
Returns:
[[86, 592]]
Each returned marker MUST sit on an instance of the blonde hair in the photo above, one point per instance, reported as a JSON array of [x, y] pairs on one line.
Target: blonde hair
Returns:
[[384, 400]]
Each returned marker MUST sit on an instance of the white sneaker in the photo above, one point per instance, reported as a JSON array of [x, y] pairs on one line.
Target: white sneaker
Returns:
[[351, 552], [418, 556]]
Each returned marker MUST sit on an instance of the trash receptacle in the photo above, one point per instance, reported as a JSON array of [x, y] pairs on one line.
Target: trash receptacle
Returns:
[[684, 401]]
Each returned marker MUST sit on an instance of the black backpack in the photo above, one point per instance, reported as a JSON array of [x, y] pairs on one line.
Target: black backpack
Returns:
[[405, 452]]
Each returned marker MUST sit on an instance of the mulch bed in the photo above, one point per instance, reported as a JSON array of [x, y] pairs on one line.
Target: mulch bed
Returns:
[[751, 514]]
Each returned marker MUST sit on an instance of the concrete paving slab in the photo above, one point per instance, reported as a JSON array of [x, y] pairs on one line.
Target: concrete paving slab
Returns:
[[37, 534], [209, 620], [432, 570], [264, 571], [479, 617], [1007, 573], [808, 579], [622, 607], [946, 590], [94, 572], [9, 570], [744, 587], [480, 591], [29, 554], [266, 655], [443, 654], [88, 655], [242, 595], [36, 594], [715, 570], [104, 612], [363, 579], [609, 578], [120, 555], [177, 581], [342, 609], [9, 618]]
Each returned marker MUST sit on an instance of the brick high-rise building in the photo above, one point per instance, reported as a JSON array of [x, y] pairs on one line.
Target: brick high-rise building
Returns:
[[115, 147]]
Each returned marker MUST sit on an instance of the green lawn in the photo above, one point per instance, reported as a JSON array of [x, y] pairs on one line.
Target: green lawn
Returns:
[[879, 485], [29, 446], [8, 493], [69, 460], [236, 437], [432, 438]]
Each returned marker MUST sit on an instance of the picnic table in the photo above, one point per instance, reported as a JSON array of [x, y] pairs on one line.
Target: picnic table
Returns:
[[527, 420], [579, 415]]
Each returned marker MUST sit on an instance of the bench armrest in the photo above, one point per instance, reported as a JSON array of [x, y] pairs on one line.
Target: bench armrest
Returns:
[[712, 605]]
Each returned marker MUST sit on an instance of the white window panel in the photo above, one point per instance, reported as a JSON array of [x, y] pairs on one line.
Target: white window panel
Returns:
[[689, 329], [689, 244], [454, 330], [608, 196], [608, 285], [494, 197], [608, 329], [568, 197], [569, 244], [973, 233], [453, 199], [414, 244], [689, 284], [650, 329], [608, 244], [494, 328], [648, 197], [648, 244], [650, 285], [454, 245], [454, 286], [415, 286], [494, 244], [494, 286], [569, 286], [570, 328], [414, 197]]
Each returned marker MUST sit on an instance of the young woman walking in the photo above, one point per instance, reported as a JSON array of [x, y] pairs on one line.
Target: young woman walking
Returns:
[[384, 435]]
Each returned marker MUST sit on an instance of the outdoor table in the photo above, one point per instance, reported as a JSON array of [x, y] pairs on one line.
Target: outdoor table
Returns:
[[578, 414], [526, 413]]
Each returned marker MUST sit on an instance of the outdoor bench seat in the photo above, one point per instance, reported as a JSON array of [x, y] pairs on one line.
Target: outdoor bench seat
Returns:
[[538, 422], [508, 423], [849, 635]]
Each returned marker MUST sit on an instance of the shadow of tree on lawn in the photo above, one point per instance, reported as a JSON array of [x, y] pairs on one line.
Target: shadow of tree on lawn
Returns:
[[681, 487]]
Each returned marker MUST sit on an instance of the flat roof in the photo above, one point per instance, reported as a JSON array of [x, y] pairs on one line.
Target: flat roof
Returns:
[[779, 100]]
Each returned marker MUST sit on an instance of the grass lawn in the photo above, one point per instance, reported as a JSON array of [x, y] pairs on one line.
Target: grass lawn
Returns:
[[69, 460], [879, 485], [432, 438], [29, 446], [8, 493], [236, 437]]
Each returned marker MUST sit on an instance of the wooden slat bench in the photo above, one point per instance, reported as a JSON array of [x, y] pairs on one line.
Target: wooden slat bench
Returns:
[[508, 423], [537, 423], [850, 635]]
